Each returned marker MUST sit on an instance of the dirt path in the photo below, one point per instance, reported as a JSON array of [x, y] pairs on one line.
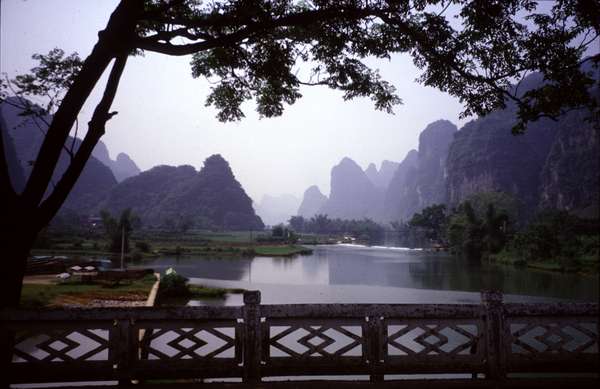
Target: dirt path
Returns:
[[44, 279]]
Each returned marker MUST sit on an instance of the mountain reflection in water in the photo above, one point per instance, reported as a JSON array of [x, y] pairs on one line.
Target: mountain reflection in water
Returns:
[[347, 266]]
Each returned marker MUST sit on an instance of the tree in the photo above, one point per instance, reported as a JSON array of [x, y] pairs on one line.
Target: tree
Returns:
[[472, 242], [320, 224], [433, 220], [474, 235], [496, 226], [278, 231], [119, 231], [250, 49], [297, 223]]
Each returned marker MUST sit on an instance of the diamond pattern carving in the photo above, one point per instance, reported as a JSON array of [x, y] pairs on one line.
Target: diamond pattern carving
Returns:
[[552, 338], [431, 339], [187, 343], [61, 346], [319, 341]]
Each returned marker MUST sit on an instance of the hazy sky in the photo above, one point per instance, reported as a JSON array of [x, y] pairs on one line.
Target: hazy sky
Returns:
[[162, 118]]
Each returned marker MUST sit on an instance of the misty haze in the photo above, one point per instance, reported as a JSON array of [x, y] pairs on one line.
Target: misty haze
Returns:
[[258, 193]]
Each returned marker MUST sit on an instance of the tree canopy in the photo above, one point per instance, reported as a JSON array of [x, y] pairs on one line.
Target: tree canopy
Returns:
[[478, 53], [251, 49]]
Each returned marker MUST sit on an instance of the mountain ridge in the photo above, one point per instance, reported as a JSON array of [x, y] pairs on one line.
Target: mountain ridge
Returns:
[[209, 198]]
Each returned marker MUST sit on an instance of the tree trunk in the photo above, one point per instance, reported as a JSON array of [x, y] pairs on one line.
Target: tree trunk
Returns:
[[116, 39], [16, 241], [19, 234]]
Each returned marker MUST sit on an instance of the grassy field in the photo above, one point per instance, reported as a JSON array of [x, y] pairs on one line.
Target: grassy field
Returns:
[[285, 250], [198, 292], [144, 244], [72, 292], [54, 294], [584, 265]]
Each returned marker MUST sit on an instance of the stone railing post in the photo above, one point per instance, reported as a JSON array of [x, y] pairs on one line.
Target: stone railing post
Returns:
[[252, 343], [123, 351], [7, 340], [494, 330], [375, 347]]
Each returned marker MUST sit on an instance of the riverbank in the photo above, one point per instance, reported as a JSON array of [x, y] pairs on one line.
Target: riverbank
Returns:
[[586, 265], [48, 291], [282, 250], [155, 249]]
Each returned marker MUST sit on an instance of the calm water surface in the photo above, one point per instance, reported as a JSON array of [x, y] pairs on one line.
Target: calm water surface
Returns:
[[345, 273]]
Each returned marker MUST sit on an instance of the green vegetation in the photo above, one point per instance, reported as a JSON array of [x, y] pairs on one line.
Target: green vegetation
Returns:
[[555, 240], [365, 230], [424, 229], [474, 236], [175, 290], [485, 227], [57, 293], [119, 231], [151, 243], [201, 291], [475, 229], [286, 250]]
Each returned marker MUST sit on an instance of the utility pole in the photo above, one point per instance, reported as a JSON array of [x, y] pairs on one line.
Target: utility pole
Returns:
[[123, 248]]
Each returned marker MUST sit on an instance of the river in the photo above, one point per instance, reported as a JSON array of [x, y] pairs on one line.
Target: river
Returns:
[[360, 274]]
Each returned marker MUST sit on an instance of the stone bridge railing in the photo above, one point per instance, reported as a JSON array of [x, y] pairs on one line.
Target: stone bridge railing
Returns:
[[447, 344]]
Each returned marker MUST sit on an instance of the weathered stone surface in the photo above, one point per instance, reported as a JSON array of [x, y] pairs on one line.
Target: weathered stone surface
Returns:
[[420, 180], [569, 179], [486, 157]]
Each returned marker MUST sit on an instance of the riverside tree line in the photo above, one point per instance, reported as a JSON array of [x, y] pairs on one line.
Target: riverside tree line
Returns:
[[487, 226]]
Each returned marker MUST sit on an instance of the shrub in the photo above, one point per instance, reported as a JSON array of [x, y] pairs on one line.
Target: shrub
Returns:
[[136, 255], [144, 247], [174, 285]]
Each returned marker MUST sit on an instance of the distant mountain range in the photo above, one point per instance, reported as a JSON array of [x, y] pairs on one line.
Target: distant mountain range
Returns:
[[353, 195], [211, 198], [381, 178], [554, 164], [312, 202], [122, 167]]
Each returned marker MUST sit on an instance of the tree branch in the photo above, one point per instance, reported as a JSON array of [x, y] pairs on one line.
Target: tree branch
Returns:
[[297, 19], [179, 32], [113, 39], [96, 128], [26, 105], [6, 188]]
